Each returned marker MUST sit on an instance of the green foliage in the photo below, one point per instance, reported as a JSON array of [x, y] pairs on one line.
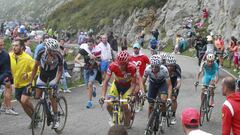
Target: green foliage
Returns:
[[95, 14], [7, 43]]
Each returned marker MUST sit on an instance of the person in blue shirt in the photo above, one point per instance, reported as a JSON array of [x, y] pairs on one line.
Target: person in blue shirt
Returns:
[[40, 46]]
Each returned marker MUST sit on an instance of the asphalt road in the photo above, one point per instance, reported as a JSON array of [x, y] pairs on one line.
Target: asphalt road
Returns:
[[82, 121]]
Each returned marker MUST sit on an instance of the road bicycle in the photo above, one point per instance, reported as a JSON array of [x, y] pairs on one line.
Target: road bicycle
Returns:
[[43, 113], [156, 120], [205, 108], [118, 114]]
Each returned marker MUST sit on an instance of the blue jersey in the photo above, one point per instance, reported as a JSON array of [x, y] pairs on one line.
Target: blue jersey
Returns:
[[209, 71]]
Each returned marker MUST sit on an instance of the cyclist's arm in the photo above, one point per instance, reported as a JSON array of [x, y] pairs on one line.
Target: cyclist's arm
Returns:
[[34, 71], [169, 88], [178, 83], [105, 84], [133, 85], [59, 73]]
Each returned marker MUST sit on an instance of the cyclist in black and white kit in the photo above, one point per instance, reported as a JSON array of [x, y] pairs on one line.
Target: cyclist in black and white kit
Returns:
[[159, 83], [50, 61], [175, 76]]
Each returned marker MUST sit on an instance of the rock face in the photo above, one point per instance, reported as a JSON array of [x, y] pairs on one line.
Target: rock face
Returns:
[[224, 18], [28, 9]]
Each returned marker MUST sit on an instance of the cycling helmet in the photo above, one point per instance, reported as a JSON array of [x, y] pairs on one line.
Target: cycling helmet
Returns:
[[52, 44], [123, 56], [171, 60], [210, 57], [163, 56], [155, 60]]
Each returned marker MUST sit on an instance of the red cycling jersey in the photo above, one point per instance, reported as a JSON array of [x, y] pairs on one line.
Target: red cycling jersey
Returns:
[[231, 115], [140, 61], [122, 77]]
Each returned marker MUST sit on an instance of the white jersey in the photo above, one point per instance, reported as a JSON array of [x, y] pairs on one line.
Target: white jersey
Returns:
[[161, 76]]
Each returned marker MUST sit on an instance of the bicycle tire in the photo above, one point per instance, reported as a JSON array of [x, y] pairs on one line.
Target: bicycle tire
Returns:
[[168, 118], [115, 119], [202, 110], [149, 127], [132, 116], [35, 119], [62, 112], [163, 125], [209, 109]]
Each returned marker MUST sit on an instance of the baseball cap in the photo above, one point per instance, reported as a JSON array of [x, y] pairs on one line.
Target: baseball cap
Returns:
[[190, 116], [136, 45]]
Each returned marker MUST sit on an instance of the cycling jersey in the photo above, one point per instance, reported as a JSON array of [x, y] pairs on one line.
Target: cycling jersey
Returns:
[[209, 72], [140, 61], [123, 79], [176, 75], [5, 70], [20, 65], [49, 66], [160, 77]]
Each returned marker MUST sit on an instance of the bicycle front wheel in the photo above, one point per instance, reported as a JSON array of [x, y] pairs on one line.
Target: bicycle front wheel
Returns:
[[209, 109], [38, 119], [203, 111], [132, 114], [150, 126], [62, 113]]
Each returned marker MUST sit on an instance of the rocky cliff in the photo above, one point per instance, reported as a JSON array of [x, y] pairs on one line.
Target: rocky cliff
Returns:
[[224, 18]]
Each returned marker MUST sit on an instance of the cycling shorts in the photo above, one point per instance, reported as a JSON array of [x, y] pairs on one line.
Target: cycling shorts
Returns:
[[51, 83], [155, 89], [207, 79], [22, 91], [114, 91]]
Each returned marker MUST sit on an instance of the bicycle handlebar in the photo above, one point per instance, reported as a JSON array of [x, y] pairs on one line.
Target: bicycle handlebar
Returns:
[[210, 86]]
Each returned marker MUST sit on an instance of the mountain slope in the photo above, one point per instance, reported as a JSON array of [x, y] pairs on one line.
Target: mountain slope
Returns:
[[28, 9], [96, 13]]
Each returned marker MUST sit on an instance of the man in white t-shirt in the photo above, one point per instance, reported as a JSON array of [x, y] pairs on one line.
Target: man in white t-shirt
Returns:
[[190, 122]]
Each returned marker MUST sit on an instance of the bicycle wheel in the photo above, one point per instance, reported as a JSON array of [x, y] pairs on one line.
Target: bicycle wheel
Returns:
[[132, 114], [38, 119], [149, 128], [203, 110], [168, 116], [115, 119], [209, 109], [162, 123], [62, 113]]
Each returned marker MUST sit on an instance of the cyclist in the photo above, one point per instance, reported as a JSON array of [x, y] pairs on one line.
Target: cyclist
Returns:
[[6, 79], [21, 67], [50, 61], [159, 83], [175, 76], [140, 60], [210, 76], [124, 82]]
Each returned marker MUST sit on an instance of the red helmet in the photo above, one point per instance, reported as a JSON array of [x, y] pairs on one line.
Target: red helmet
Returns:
[[123, 57]]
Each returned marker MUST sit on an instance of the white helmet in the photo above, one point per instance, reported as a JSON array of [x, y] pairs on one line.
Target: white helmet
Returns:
[[163, 56], [210, 57], [170, 60], [52, 44], [155, 60]]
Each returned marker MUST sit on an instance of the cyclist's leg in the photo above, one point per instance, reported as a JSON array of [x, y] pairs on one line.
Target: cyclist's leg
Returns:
[[113, 93], [212, 82], [205, 80], [163, 91], [126, 109], [174, 102], [23, 96], [152, 94]]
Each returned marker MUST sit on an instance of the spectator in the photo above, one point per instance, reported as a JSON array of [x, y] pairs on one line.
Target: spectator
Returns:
[[205, 14], [124, 43], [27, 46], [117, 130], [199, 45], [232, 44], [231, 107], [40, 46], [106, 56], [219, 44], [65, 72], [190, 122], [155, 34]]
